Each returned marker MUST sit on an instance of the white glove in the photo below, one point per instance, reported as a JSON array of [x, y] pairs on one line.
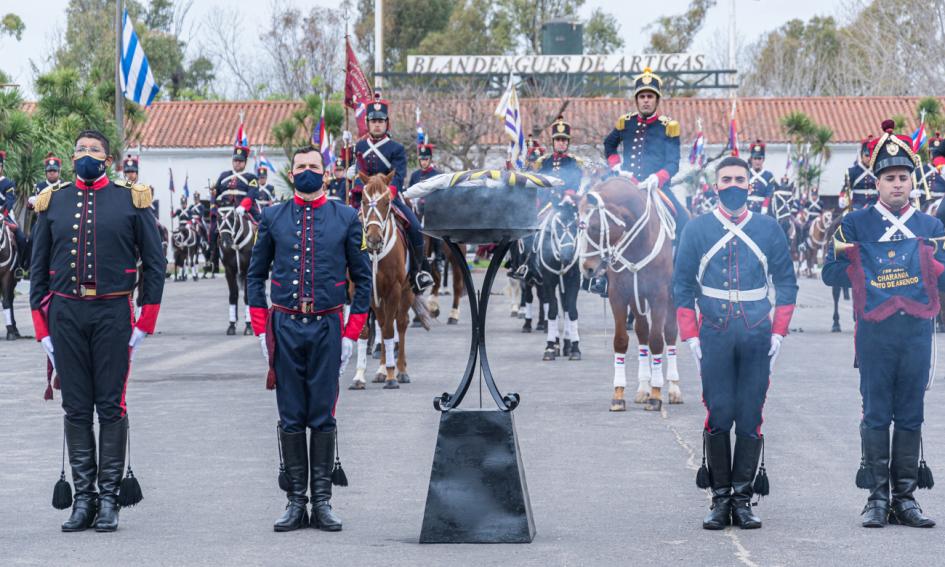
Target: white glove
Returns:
[[265, 349], [915, 194], [137, 337], [347, 349], [47, 346], [351, 173], [32, 201], [346, 136], [652, 182], [775, 350], [695, 346], [240, 210]]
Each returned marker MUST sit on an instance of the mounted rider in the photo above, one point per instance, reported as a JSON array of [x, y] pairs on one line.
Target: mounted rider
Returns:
[[237, 187], [427, 168], [650, 143], [762, 181], [8, 195], [722, 268], [337, 188], [783, 203], [562, 165], [378, 153], [859, 185], [929, 182], [267, 193]]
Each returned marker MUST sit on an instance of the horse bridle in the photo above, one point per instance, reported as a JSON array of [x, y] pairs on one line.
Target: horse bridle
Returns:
[[6, 240], [561, 237], [373, 217], [234, 226], [189, 241]]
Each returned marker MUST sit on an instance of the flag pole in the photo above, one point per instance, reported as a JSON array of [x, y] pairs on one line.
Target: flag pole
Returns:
[[119, 95], [344, 143]]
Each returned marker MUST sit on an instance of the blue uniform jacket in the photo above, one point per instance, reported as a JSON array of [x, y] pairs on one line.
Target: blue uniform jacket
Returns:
[[868, 225], [862, 185], [422, 175], [929, 177], [734, 267], [762, 188], [8, 191], [650, 145], [369, 159], [311, 250], [244, 183]]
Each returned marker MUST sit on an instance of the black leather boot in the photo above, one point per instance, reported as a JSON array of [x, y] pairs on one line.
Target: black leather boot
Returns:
[[80, 440], [876, 459], [575, 351], [112, 445], [719, 458], [904, 476], [323, 460], [744, 465], [295, 458]]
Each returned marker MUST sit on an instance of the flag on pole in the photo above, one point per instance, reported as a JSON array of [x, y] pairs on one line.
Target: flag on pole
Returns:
[[137, 82], [509, 112], [787, 166], [262, 161], [733, 132], [186, 188], [358, 92], [421, 135], [919, 137], [320, 137], [241, 138], [170, 174], [697, 153]]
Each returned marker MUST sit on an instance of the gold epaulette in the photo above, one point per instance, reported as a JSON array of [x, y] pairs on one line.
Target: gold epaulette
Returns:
[[537, 164], [671, 126], [43, 199], [622, 121], [141, 196]]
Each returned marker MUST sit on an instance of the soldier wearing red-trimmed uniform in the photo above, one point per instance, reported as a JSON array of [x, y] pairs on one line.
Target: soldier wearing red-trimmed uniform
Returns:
[[762, 181]]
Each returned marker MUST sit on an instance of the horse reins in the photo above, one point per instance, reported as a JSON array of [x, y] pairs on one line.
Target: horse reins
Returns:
[[388, 235]]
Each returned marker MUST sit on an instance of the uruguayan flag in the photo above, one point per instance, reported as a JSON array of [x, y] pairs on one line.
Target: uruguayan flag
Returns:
[[137, 82], [510, 114]]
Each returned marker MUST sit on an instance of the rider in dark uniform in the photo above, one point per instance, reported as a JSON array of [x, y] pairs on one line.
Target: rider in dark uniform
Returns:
[[89, 238], [859, 186], [378, 153], [929, 184], [313, 246], [427, 169], [338, 185], [650, 143], [893, 374], [762, 181], [8, 196], [267, 193], [722, 268], [234, 188]]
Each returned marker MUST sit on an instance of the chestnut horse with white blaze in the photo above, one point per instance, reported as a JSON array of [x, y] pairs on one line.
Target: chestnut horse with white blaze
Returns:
[[627, 234], [391, 296]]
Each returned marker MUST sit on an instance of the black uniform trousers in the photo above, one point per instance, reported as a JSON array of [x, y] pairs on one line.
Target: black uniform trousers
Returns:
[[307, 361], [90, 341], [735, 375], [892, 378]]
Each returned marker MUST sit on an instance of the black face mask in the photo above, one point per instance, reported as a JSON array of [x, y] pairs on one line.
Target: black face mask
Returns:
[[733, 198], [308, 181], [89, 168]]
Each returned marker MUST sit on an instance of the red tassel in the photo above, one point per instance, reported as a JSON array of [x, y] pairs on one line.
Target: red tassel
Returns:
[[271, 380], [49, 394], [57, 384]]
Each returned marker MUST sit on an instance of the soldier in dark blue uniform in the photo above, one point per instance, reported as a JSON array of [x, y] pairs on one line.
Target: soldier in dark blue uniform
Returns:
[[312, 246], [378, 153], [237, 187], [650, 143], [893, 379], [88, 239], [722, 268], [8, 194], [52, 166], [762, 181], [929, 184], [267, 193], [783, 203], [338, 186], [427, 168], [859, 186], [129, 168], [561, 164]]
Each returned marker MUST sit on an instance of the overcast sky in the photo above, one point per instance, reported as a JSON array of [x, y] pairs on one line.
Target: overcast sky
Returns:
[[45, 20]]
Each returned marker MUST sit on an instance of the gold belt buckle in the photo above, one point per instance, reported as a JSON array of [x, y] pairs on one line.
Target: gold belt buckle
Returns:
[[87, 290], [307, 306]]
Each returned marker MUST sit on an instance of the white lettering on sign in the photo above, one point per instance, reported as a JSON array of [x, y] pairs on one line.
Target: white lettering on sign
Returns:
[[540, 64]]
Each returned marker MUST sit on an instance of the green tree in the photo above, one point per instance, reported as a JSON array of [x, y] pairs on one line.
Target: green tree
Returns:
[[406, 24], [602, 33], [12, 25], [474, 27], [810, 143], [674, 34], [296, 131]]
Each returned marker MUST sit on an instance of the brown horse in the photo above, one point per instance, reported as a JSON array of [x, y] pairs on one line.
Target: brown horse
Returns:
[[392, 296], [626, 233], [818, 235], [440, 274], [9, 258]]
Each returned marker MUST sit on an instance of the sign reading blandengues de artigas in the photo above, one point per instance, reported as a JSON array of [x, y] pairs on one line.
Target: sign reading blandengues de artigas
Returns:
[[538, 64]]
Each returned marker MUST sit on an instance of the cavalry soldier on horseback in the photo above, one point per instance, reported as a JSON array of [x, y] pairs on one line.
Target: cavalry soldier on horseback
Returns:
[[337, 188], [650, 143], [722, 267], [8, 194], [378, 153], [859, 186], [427, 168], [762, 181], [892, 256], [88, 239], [783, 203], [313, 247], [929, 182], [238, 188], [267, 193]]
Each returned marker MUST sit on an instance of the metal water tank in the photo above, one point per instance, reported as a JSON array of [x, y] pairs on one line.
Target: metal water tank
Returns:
[[562, 36]]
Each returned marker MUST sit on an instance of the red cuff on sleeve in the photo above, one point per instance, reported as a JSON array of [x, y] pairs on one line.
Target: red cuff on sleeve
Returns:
[[688, 324], [613, 160], [258, 317], [355, 325], [39, 325], [393, 191], [782, 319], [767, 201], [148, 319], [938, 161], [246, 203], [663, 176]]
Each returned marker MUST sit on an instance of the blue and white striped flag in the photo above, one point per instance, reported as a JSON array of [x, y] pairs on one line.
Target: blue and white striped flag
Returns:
[[137, 82], [510, 114]]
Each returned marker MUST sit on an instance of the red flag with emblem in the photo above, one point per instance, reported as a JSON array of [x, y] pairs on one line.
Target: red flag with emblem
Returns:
[[358, 92]]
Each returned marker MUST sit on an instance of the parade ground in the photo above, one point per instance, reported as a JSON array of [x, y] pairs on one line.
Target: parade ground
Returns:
[[606, 488]]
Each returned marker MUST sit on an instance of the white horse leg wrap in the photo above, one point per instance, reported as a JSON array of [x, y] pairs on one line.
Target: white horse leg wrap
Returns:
[[643, 364], [552, 330], [8, 316], [529, 310], [378, 335], [390, 360], [575, 336], [620, 370], [656, 371], [246, 314], [232, 314], [362, 358], [672, 371]]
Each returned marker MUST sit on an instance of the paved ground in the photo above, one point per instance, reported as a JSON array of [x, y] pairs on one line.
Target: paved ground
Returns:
[[605, 488]]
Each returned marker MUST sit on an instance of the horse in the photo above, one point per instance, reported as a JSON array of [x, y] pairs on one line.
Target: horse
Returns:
[[524, 269], [626, 233], [186, 251], [8, 264], [818, 235], [391, 295], [556, 255], [443, 268], [235, 241]]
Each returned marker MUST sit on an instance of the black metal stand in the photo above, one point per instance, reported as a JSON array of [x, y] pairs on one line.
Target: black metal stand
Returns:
[[477, 490]]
